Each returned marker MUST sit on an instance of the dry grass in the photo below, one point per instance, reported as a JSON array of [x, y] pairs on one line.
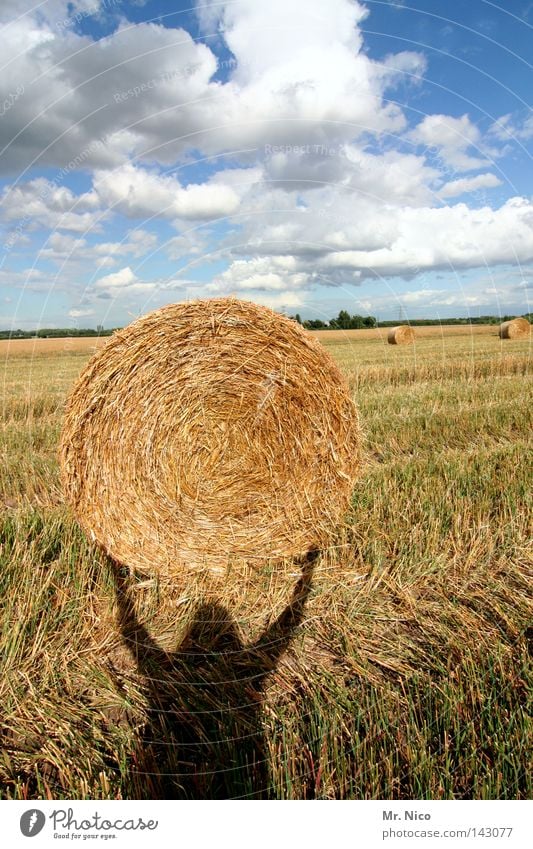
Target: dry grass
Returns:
[[10, 348], [397, 666], [441, 331]]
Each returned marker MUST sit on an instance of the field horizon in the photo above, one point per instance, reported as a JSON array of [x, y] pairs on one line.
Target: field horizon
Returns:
[[37, 345]]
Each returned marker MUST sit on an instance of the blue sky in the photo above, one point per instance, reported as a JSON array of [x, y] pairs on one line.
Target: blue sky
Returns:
[[304, 154]]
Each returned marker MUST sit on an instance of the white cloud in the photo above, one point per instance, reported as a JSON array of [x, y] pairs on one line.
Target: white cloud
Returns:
[[509, 128], [452, 138], [352, 239], [27, 279], [137, 243], [263, 274], [42, 203], [75, 92], [123, 282], [138, 193], [124, 277], [407, 66], [62, 244], [189, 243], [80, 313], [422, 295], [54, 12], [147, 89], [305, 81], [326, 193], [390, 177], [469, 298], [469, 184], [448, 237], [284, 300], [62, 247]]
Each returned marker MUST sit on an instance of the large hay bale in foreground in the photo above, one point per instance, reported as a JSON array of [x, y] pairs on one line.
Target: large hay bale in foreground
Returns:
[[516, 328], [208, 432], [401, 335]]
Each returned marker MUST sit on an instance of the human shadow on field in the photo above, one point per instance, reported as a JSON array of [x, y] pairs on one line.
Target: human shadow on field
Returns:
[[203, 738]]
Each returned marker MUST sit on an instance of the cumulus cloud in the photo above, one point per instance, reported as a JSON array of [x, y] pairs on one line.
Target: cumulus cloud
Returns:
[[124, 277], [139, 193], [449, 237], [283, 301], [42, 203], [54, 12], [406, 66], [469, 184], [452, 138], [262, 274], [137, 243], [62, 247], [75, 92], [320, 87], [472, 296], [509, 127], [123, 282], [305, 170], [189, 243], [357, 240], [148, 90], [391, 177], [80, 313]]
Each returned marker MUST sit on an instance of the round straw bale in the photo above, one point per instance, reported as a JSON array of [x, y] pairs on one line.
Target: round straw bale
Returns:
[[401, 335], [208, 432], [517, 328]]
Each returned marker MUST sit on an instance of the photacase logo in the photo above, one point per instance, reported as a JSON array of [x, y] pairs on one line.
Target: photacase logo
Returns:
[[32, 822]]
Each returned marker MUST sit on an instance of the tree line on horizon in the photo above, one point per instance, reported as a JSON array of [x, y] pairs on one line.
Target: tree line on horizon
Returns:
[[344, 321]]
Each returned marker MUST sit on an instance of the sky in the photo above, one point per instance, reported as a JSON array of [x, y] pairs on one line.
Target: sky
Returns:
[[309, 155]]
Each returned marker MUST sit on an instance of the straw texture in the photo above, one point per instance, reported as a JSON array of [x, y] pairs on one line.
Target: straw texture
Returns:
[[209, 432], [516, 328], [401, 335]]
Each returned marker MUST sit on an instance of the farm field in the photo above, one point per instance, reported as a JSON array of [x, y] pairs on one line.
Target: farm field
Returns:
[[404, 671], [15, 347]]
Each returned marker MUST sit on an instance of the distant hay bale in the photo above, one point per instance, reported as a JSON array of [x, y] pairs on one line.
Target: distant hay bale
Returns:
[[401, 335], [517, 328], [210, 432]]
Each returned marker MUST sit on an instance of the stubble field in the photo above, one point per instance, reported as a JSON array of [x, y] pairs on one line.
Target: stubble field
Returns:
[[401, 670]]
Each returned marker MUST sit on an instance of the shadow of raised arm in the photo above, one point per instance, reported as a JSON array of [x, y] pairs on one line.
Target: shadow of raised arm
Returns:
[[266, 650], [142, 647], [276, 638]]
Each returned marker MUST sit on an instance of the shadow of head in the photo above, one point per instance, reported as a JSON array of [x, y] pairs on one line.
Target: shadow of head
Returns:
[[212, 634]]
